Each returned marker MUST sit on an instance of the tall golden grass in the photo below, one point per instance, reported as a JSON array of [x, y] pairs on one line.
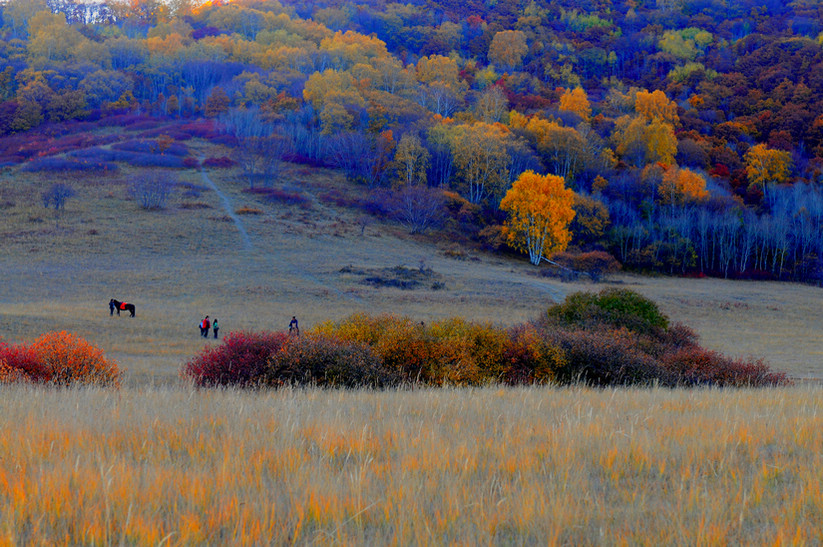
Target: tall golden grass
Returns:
[[550, 466]]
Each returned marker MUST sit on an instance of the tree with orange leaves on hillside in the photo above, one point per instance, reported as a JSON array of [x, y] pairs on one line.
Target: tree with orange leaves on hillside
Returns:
[[576, 101], [540, 210], [682, 186]]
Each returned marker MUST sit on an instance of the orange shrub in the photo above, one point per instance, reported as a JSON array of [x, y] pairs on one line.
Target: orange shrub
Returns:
[[470, 353], [529, 358], [404, 346], [68, 359]]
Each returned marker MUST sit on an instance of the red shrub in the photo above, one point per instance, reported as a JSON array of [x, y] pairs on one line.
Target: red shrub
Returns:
[[222, 162], [696, 365], [20, 364], [239, 361]]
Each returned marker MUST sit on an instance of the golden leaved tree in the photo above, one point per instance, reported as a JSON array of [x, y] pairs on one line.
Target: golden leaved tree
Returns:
[[540, 210], [575, 100], [412, 159], [766, 166]]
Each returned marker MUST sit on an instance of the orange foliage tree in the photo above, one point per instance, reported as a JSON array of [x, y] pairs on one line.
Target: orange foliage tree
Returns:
[[680, 186], [507, 48], [575, 100], [540, 210], [656, 106]]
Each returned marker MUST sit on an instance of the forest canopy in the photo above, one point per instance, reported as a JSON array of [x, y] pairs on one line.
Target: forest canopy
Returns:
[[691, 131]]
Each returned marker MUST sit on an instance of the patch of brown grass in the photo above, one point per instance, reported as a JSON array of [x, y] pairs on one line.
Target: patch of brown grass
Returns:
[[488, 466]]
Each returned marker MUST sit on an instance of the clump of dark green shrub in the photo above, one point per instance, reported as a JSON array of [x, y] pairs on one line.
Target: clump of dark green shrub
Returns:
[[613, 307], [326, 362]]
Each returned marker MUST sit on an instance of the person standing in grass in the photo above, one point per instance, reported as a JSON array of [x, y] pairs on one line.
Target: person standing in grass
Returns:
[[294, 328], [215, 328]]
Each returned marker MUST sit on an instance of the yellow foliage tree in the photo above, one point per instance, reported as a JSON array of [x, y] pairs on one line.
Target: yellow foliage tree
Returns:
[[656, 106], [540, 208], [481, 158], [492, 105], [766, 166], [563, 148], [641, 142], [575, 100], [412, 160], [437, 68]]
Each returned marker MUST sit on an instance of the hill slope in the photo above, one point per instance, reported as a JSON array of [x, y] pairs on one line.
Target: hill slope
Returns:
[[254, 262]]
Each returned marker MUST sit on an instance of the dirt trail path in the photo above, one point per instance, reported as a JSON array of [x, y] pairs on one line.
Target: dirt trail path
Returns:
[[244, 235]]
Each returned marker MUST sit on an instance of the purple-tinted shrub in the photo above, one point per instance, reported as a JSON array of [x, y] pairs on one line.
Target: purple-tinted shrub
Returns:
[[274, 195], [67, 164], [239, 361], [325, 361], [135, 159], [201, 129], [696, 365], [191, 163], [606, 357], [219, 163], [152, 147]]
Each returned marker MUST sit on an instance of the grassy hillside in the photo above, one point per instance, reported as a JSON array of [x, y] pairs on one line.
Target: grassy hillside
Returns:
[[254, 261]]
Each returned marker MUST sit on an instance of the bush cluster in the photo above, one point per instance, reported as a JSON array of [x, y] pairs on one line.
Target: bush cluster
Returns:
[[222, 162], [615, 337], [618, 337], [239, 361], [136, 159], [67, 164], [151, 146], [57, 358]]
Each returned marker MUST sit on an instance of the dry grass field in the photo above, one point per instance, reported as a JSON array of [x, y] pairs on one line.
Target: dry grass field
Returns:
[[527, 466], [220, 251]]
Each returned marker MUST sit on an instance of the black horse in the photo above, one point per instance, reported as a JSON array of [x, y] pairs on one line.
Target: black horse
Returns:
[[117, 305]]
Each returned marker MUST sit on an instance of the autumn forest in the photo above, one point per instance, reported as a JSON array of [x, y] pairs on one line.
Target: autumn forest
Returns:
[[676, 136]]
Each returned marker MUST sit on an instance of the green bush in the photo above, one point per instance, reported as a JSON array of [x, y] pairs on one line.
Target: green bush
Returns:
[[614, 307]]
